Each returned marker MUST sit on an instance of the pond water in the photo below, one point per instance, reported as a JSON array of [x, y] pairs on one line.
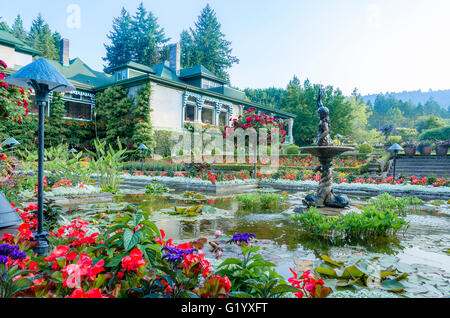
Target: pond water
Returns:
[[418, 251]]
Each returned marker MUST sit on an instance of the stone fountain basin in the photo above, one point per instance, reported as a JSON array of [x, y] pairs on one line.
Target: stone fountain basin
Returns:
[[326, 151]]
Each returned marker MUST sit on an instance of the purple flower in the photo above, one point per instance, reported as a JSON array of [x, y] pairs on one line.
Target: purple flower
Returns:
[[12, 252], [240, 238], [176, 255]]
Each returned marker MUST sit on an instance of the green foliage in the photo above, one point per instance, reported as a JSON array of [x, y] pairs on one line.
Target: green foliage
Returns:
[[394, 140], [268, 287], [436, 134], [265, 201], [292, 150], [386, 201], [137, 38], [302, 101], [365, 149], [143, 131], [42, 39], [407, 133], [156, 188], [205, 44], [10, 287], [239, 271], [155, 165], [106, 162], [163, 143], [370, 224], [366, 274]]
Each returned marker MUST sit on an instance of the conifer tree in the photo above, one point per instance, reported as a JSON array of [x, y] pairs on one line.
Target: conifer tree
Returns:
[[18, 30], [149, 37], [120, 51], [41, 38], [208, 45], [3, 25]]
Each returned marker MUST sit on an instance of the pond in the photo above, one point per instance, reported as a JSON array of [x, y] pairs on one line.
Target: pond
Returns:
[[418, 251]]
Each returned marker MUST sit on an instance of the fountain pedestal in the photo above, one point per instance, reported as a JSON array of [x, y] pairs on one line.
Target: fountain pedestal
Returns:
[[325, 196]]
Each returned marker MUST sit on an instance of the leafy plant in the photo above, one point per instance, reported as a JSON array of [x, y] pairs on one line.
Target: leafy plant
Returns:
[[9, 285], [156, 188], [386, 201], [265, 201]]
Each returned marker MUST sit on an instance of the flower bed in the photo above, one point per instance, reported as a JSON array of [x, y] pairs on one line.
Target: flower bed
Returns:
[[131, 259]]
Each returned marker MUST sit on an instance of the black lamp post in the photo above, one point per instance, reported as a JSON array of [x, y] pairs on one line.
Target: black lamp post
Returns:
[[43, 78], [143, 148], [395, 148], [11, 142]]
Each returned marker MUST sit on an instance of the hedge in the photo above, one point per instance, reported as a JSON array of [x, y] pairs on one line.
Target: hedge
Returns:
[[436, 133]]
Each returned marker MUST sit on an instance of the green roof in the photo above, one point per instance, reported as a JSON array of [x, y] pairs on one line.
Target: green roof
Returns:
[[82, 75], [8, 38], [199, 70], [136, 66], [163, 70]]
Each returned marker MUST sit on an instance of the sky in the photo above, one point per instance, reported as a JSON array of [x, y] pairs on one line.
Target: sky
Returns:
[[376, 46]]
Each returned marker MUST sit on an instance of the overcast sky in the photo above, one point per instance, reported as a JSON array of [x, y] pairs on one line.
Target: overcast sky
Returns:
[[373, 45]]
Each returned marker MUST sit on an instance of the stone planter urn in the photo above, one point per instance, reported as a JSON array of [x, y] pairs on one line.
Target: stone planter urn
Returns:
[[441, 150], [426, 150], [410, 151]]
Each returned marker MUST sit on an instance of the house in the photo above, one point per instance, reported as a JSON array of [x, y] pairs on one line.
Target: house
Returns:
[[179, 95]]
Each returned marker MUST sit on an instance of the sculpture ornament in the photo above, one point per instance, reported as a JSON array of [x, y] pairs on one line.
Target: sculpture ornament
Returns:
[[325, 194]]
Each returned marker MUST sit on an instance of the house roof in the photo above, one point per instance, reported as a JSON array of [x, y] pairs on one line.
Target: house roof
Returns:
[[163, 69], [136, 66], [82, 75], [199, 70], [9, 39]]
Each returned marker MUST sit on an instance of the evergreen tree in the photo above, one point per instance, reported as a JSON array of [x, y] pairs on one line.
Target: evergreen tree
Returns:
[[3, 25], [18, 30], [207, 45], [120, 51], [41, 38], [149, 38]]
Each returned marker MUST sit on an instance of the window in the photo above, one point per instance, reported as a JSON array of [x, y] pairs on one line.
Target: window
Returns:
[[223, 118], [189, 113], [78, 110], [207, 115], [121, 75], [209, 84]]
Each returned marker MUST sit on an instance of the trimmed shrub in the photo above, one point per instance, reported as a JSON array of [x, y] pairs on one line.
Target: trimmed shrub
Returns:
[[365, 149], [394, 140], [437, 134], [292, 150], [164, 142]]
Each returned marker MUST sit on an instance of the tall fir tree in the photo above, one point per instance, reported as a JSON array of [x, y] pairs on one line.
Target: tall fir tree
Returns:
[[120, 51], [3, 25], [205, 44], [40, 37], [18, 30], [149, 38]]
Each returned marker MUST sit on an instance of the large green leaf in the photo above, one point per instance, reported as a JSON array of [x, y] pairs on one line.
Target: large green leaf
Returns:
[[346, 283], [130, 239], [326, 271], [352, 272], [392, 285], [231, 261], [327, 259]]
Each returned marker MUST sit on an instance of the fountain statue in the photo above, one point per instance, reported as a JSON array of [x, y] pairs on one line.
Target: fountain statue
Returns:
[[325, 151]]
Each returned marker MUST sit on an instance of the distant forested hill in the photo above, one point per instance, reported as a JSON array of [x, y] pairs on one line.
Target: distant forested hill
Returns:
[[442, 97]]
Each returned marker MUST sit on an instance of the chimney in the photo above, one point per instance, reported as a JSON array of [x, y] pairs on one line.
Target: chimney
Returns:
[[64, 52], [175, 57]]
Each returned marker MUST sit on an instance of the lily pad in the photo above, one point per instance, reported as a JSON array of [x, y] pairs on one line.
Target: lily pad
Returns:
[[392, 286]]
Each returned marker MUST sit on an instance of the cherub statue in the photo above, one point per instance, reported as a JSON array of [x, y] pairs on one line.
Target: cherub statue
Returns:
[[323, 139]]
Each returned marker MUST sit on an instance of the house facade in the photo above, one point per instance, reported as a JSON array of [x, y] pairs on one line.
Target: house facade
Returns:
[[179, 95]]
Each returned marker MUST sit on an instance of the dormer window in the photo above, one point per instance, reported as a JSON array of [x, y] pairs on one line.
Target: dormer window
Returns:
[[122, 75]]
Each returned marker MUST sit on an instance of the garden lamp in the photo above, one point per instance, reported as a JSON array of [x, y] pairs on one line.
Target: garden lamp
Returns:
[[395, 148], [11, 142], [143, 148], [73, 151], [43, 78], [8, 216]]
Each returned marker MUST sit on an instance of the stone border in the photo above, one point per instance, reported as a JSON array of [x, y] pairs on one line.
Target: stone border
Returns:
[[236, 188], [77, 200]]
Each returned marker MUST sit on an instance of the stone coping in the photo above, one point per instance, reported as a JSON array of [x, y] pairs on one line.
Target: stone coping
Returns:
[[350, 189]]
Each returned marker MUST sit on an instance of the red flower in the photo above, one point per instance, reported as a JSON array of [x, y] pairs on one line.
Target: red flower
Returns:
[[93, 293], [134, 261]]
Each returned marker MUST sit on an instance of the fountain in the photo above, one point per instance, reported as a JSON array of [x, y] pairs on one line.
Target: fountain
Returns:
[[325, 151]]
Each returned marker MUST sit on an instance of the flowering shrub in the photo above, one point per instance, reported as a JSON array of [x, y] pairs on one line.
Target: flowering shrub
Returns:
[[13, 99], [251, 119]]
